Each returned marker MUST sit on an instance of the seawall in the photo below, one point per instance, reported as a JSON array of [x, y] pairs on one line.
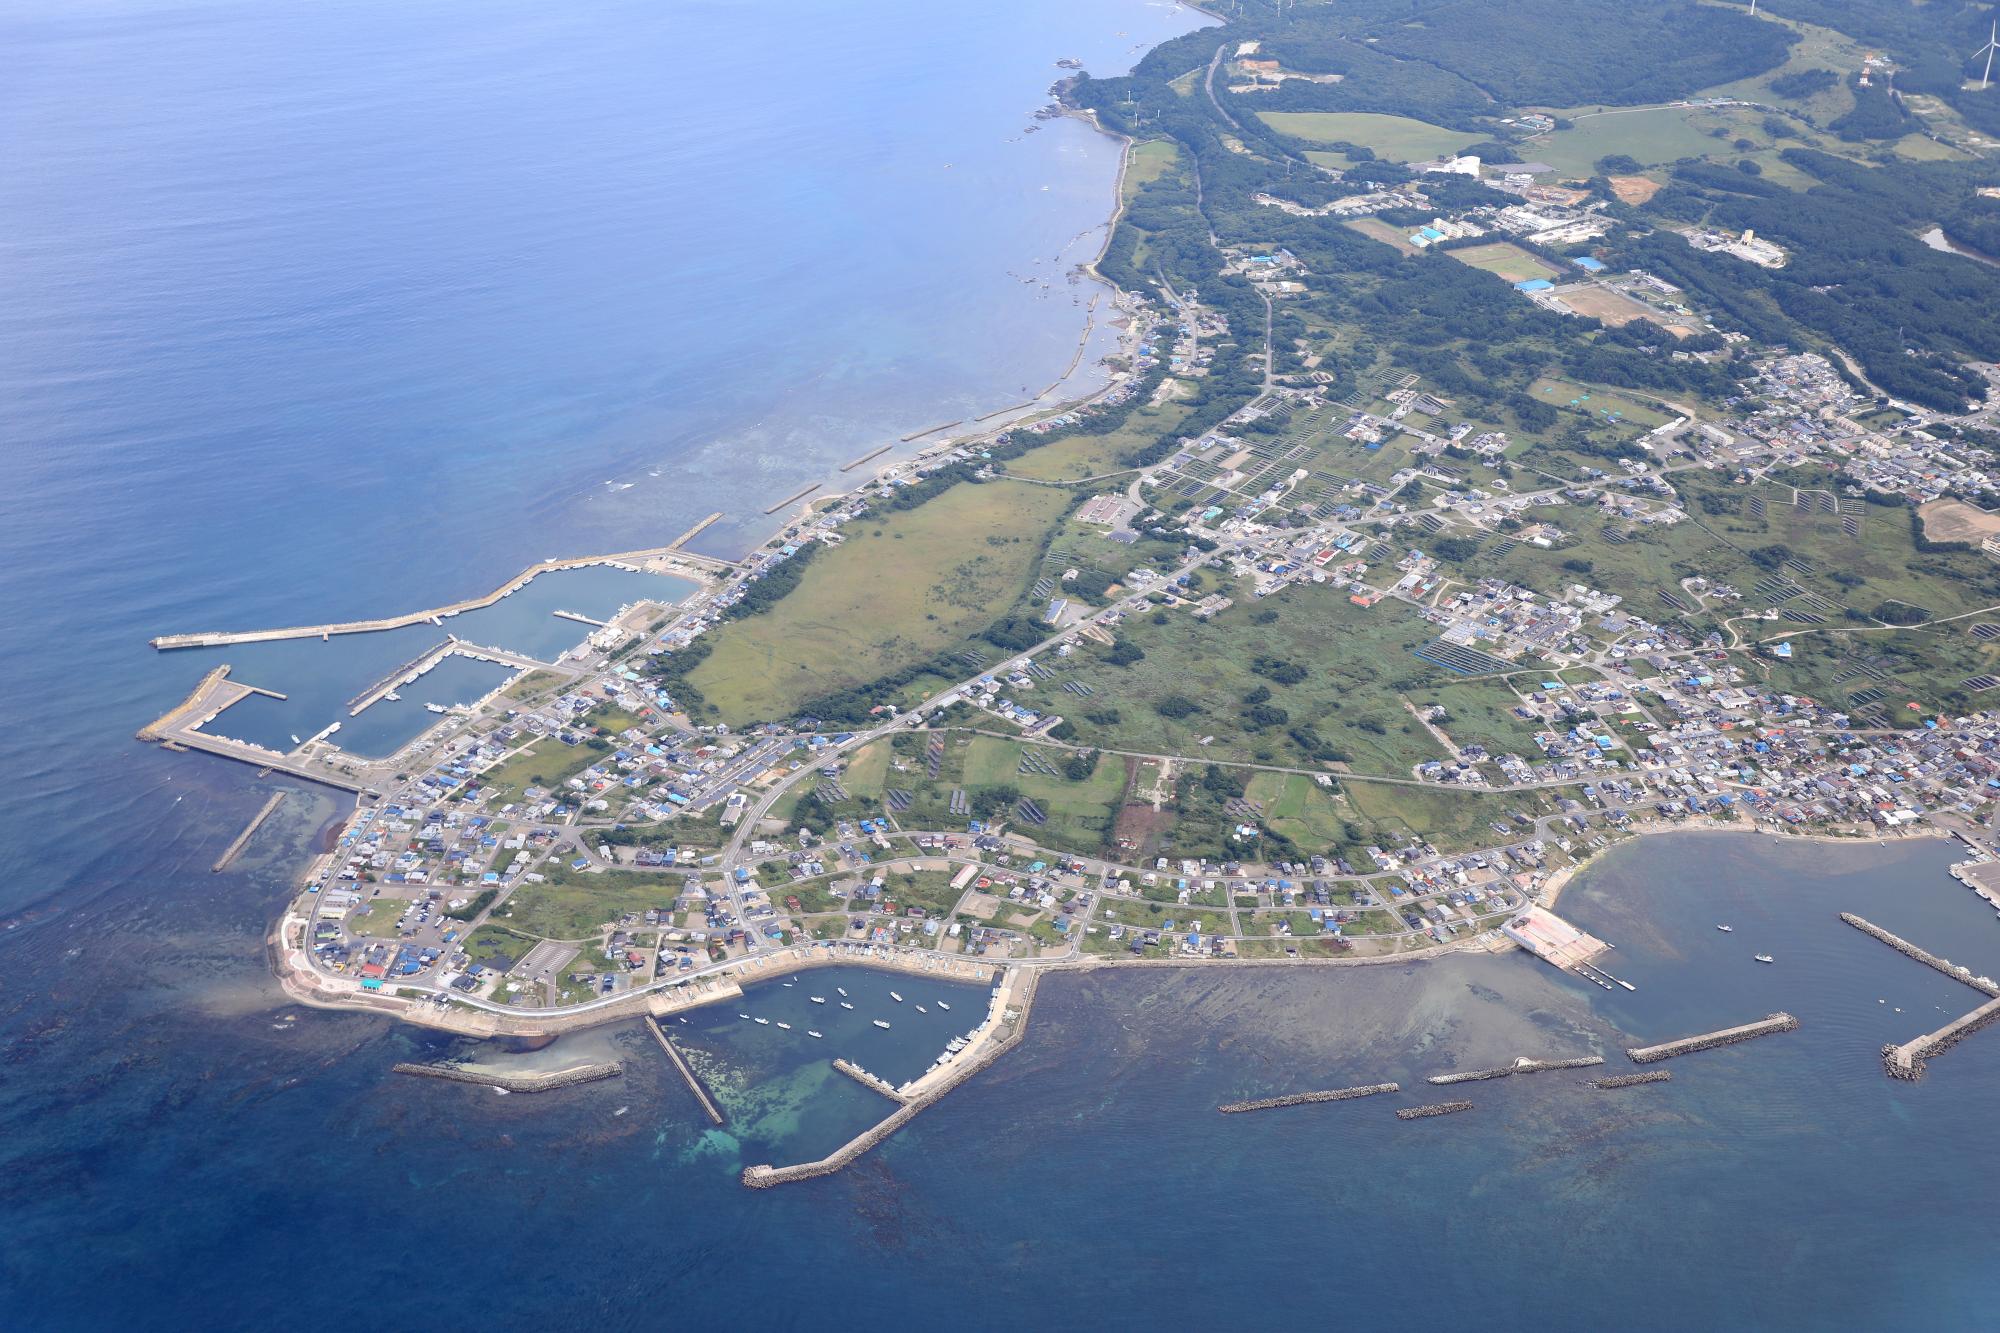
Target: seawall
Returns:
[[1907, 1061], [1518, 1067], [1303, 1098], [549, 1082], [1667, 1050], [1631, 1080], [1435, 1108], [687, 1072], [1984, 985]]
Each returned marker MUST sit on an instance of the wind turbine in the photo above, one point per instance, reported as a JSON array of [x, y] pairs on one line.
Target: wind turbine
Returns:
[[1992, 45]]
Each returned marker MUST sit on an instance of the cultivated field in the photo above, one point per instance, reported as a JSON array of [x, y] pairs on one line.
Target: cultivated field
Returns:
[[1503, 259], [1396, 138]]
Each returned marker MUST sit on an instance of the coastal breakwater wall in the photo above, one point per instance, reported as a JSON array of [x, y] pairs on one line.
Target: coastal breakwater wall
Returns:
[[1631, 1080], [1667, 1050], [1984, 985], [549, 1082], [1518, 1067], [687, 1072], [873, 1082], [765, 1177], [1907, 1061], [1303, 1098], [256, 822], [1435, 1108]]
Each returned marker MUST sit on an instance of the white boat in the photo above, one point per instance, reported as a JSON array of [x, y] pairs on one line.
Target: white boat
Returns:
[[1726, 929], [786, 1026], [897, 998], [786, 984], [435, 708], [761, 1022], [811, 1033], [942, 1005], [922, 1010], [743, 1015], [819, 999], [842, 990], [396, 698], [845, 1005], [1765, 958], [296, 740], [880, 1024]]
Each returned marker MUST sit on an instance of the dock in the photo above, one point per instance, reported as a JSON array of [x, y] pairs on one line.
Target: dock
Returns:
[[256, 821], [180, 728], [1667, 1050], [873, 1082], [866, 458], [1984, 985], [687, 1072], [795, 495], [548, 1082], [1305, 1098], [1907, 1061], [1521, 1066], [579, 618], [1435, 1108]]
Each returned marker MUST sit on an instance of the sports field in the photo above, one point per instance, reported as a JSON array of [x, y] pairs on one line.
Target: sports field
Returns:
[[1395, 138], [1615, 308], [1377, 229], [1504, 259]]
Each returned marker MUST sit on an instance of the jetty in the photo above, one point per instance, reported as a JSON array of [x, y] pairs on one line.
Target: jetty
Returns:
[[1907, 1061], [694, 531], [1984, 985], [1667, 1050], [180, 728], [1521, 1066], [932, 430], [1435, 1108], [701, 564], [541, 1082], [866, 458], [256, 822], [873, 1082], [1006, 1024], [795, 495], [1632, 1080], [687, 1072], [579, 618], [1303, 1098]]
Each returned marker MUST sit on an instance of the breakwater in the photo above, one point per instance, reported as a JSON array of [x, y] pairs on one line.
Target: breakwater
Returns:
[[795, 495], [687, 1072], [1632, 1080], [256, 822], [873, 1082], [1302, 1098], [932, 430], [866, 458], [1523, 1066], [548, 1082], [1984, 985], [1907, 1061], [1435, 1108], [765, 1177], [1667, 1050]]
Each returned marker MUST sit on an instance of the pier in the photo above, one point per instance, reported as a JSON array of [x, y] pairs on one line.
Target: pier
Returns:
[[1907, 1061], [579, 618], [1984, 985], [437, 615], [548, 1082], [1667, 1050], [795, 495], [680, 1063], [180, 727], [870, 1081], [1632, 1080], [1304, 1098], [1521, 1066], [256, 821], [1435, 1108]]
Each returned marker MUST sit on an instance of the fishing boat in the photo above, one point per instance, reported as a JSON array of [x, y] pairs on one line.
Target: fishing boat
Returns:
[[811, 1033], [435, 708], [897, 998], [845, 1005], [786, 984], [743, 1015], [880, 1024], [842, 990], [761, 1022], [942, 1005], [922, 1010], [819, 999], [1726, 929], [1765, 958], [786, 1026]]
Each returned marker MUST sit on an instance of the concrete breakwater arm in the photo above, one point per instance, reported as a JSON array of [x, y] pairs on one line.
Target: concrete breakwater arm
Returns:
[[1632, 1080], [1518, 1067], [868, 1080], [1302, 1098], [1435, 1108], [680, 1063], [1907, 1061], [256, 822], [1984, 985], [548, 1082], [1666, 1050]]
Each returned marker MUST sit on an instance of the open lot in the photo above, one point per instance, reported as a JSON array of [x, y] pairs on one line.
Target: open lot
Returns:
[[1505, 260], [1396, 138], [1600, 404], [1614, 308], [1649, 135], [1387, 233], [896, 592], [1957, 521]]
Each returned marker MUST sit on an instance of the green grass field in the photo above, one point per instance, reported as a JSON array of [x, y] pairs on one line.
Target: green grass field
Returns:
[[543, 762], [1605, 406], [1377, 229], [1651, 135], [1395, 138], [1503, 260], [897, 591], [1148, 162], [572, 906], [1070, 457]]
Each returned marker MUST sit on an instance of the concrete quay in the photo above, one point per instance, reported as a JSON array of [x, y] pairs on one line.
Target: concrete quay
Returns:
[[687, 1072], [181, 726], [1304, 1098], [1984, 985], [546, 1082], [1521, 1066], [1907, 1061], [1631, 1080], [700, 565], [1435, 1108], [1667, 1050], [873, 1082]]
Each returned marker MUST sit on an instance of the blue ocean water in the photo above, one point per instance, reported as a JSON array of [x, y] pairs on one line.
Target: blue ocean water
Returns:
[[316, 311]]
